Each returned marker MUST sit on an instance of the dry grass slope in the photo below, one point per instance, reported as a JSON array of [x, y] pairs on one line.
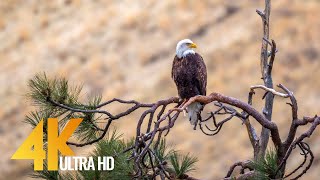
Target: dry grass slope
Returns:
[[125, 49]]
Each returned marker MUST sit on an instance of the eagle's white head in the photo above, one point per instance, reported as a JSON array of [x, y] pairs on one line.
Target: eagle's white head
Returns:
[[185, 47]]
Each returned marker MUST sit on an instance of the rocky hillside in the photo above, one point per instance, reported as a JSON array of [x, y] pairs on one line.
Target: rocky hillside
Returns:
[[125, 49]]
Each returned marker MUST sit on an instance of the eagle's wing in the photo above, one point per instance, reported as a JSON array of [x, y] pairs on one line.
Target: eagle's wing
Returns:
[[179, 75], [176, 68], [201, 74]]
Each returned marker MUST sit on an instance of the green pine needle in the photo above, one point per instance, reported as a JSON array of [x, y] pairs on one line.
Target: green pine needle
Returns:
[[182, 164], [94, 100], [163, 151], [45, 174], [87, 130], [57, 89], [113, 145], [266, 167]]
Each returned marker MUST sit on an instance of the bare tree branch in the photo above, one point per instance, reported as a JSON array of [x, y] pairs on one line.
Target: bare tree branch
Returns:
[[242, 164], [315, 123], [269, 90]]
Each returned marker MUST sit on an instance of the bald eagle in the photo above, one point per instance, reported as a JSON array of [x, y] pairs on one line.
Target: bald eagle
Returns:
[[189, 73]]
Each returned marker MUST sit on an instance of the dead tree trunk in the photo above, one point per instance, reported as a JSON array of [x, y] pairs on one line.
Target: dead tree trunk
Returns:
[[267, 78]]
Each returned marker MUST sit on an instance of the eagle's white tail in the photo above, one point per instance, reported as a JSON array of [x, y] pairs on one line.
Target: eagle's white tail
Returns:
[[193, 110]]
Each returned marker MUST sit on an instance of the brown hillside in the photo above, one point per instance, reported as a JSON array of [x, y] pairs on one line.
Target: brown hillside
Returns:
[[125, 49]]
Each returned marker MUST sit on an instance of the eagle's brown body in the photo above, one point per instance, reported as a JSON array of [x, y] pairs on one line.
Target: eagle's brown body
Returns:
[[190, 75]]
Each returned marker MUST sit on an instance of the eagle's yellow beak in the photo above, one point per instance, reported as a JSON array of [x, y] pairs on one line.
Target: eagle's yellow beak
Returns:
[[192, 45]]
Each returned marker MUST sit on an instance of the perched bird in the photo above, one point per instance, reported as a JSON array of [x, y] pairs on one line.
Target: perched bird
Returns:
[[189, 73]]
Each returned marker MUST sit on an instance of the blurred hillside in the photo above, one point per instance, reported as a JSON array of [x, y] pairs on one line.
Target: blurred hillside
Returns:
[[125, 49]]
